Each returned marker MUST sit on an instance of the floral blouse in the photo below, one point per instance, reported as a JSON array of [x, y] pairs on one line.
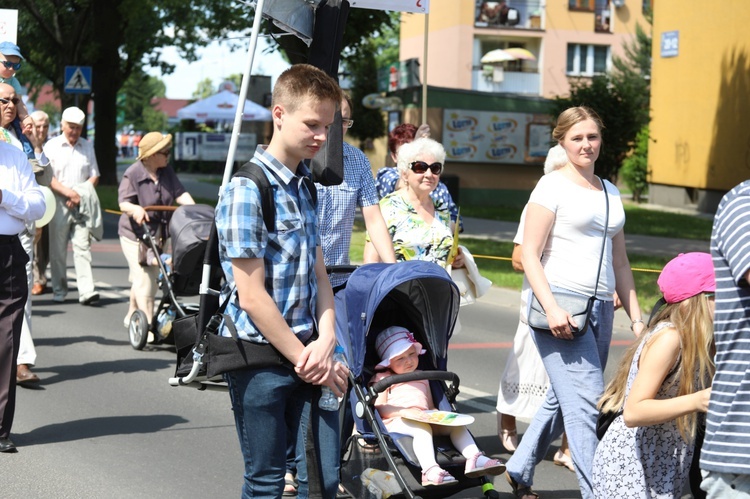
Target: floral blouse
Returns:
[[413, 238]]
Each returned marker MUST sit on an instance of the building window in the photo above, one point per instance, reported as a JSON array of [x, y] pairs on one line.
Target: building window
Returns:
[[587, 60], [587, 5]]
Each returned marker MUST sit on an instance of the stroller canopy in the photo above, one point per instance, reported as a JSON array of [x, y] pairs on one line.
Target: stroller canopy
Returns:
[[426, 293]]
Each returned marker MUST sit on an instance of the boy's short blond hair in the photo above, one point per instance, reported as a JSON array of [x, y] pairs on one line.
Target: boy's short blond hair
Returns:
[[301, 81]]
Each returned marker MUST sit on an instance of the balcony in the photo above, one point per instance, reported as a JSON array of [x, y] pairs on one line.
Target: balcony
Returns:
[[512, 82], [503, 14]]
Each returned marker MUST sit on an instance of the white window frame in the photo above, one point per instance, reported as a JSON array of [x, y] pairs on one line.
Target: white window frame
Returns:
[[588, 60]]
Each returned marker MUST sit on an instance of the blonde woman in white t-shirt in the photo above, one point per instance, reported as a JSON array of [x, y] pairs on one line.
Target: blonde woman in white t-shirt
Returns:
[[562, 239]]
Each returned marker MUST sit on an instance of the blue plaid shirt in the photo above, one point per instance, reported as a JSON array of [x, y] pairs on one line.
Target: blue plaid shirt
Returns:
[[337, 205], [387, 178], [288, 253]]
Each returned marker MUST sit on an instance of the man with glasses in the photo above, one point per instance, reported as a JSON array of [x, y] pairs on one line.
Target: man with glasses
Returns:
[[78, 216], [337, 205]]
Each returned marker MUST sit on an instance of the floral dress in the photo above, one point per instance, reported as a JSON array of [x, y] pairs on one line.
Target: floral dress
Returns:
[[413, 238], [647, 461]]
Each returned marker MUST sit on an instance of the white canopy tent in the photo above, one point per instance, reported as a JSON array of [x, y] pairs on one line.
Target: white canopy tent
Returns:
[[223, 107]]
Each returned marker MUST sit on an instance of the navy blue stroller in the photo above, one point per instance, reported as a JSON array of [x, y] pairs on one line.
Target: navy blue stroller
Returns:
[[421, 297]]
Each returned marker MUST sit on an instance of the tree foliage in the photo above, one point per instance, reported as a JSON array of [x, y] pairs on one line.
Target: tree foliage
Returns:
[[205, 88], [115, 37], [621, 98], [634, 169], [140, 89]]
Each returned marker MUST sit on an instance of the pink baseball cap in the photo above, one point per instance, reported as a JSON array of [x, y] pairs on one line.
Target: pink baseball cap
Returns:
[[686, 275], [394, 341]]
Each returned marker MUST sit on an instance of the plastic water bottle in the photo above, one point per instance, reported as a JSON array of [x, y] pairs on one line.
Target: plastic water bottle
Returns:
[[328, 400], [164, 321]]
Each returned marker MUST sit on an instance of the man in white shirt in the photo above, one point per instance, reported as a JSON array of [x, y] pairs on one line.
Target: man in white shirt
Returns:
[[21, 202], [73, 162]]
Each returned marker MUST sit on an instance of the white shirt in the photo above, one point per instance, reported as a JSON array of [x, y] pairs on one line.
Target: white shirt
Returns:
[[71, 165], [571, 254], [22, 201]]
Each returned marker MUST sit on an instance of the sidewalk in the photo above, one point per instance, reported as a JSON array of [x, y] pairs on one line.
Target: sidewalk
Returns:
[[500, 231]]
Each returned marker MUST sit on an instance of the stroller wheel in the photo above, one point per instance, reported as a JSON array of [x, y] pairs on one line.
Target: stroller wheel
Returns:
[[138, 330]]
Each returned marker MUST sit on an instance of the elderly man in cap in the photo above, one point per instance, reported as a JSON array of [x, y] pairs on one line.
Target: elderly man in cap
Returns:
[[78, 216], [21, 202]]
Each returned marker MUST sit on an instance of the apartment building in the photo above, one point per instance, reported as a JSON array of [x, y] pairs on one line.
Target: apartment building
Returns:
[[567, 39]]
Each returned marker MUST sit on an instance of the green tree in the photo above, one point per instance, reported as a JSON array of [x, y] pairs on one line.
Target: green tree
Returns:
[[139, 90], [634, 169], [205, 88], [368, 123], [115, 37]]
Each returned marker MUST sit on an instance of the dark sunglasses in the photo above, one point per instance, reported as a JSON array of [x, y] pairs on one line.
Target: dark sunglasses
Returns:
[[14, 101], [421, 167], [163, 153], [12, 65]]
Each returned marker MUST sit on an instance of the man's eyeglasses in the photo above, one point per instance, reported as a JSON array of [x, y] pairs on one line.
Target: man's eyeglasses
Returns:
[[346, 122], [13, 101], [12, 65], [421, 167]]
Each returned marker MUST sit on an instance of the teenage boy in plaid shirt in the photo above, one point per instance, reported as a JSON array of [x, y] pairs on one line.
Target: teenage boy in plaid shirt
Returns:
[[283, 295]]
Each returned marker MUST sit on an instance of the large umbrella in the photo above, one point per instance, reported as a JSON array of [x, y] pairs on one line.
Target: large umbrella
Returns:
[[223, 106], [519, 53], [497, 55]]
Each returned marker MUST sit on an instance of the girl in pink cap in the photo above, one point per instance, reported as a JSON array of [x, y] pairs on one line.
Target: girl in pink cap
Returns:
[[661, 385], [400, 353]]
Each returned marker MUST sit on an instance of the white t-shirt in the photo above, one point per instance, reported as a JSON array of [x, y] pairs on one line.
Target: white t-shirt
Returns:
[[525, 287], [571, 254]]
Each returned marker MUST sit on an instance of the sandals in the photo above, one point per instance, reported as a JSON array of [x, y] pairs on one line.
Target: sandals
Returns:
[[480, 465], [435, 475], [290, 487], [562, 459], [521, 491], [509, 439]]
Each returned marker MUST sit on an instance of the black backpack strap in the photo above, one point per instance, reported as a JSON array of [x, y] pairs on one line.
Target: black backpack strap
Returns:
[[312, 190], [255, 173]]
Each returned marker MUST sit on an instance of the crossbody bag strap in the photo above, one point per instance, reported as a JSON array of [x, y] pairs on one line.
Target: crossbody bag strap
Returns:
[[604, 236]]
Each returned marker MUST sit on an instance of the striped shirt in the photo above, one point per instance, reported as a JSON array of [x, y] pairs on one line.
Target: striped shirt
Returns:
[[726, 448], [337, 205], [288, 253]]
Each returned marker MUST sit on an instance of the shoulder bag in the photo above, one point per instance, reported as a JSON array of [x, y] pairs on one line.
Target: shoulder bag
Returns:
[[576, 304]]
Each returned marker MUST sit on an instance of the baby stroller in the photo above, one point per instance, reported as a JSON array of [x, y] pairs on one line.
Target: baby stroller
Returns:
[[189, 229], [421, 297]]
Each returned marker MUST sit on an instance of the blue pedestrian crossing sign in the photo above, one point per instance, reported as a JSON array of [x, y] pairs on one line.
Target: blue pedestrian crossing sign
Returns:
[[77, 79]]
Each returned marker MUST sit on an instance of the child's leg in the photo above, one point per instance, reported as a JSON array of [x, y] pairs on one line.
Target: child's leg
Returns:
[[461, 439], [422, 440]]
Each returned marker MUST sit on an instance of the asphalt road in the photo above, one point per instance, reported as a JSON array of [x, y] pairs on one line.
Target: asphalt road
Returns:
[[104, 422]]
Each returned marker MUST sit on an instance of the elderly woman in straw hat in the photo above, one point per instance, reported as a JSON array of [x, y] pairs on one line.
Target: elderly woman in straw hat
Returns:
[[147, 182]]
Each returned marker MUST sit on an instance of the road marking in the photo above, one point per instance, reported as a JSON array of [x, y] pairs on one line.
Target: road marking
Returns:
[[475, 394]]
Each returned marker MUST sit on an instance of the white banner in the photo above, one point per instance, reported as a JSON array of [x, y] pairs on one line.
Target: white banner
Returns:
[[213, 146], [9, 26], [415, 6]]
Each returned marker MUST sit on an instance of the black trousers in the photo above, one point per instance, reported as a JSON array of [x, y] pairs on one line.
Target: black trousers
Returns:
[[13, 293]]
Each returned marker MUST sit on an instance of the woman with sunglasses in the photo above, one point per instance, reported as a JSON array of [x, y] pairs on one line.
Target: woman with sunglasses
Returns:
[[419, 230], [150, 181]]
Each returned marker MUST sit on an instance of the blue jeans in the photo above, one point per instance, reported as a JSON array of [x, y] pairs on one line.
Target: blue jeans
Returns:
[[576, 374], [327, 442], [260, 399], [725, 485]]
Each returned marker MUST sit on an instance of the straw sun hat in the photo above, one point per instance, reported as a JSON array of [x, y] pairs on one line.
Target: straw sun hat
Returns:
[[153, 142]]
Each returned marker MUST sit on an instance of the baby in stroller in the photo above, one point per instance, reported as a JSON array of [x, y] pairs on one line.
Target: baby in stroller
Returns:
[[399, 352]]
